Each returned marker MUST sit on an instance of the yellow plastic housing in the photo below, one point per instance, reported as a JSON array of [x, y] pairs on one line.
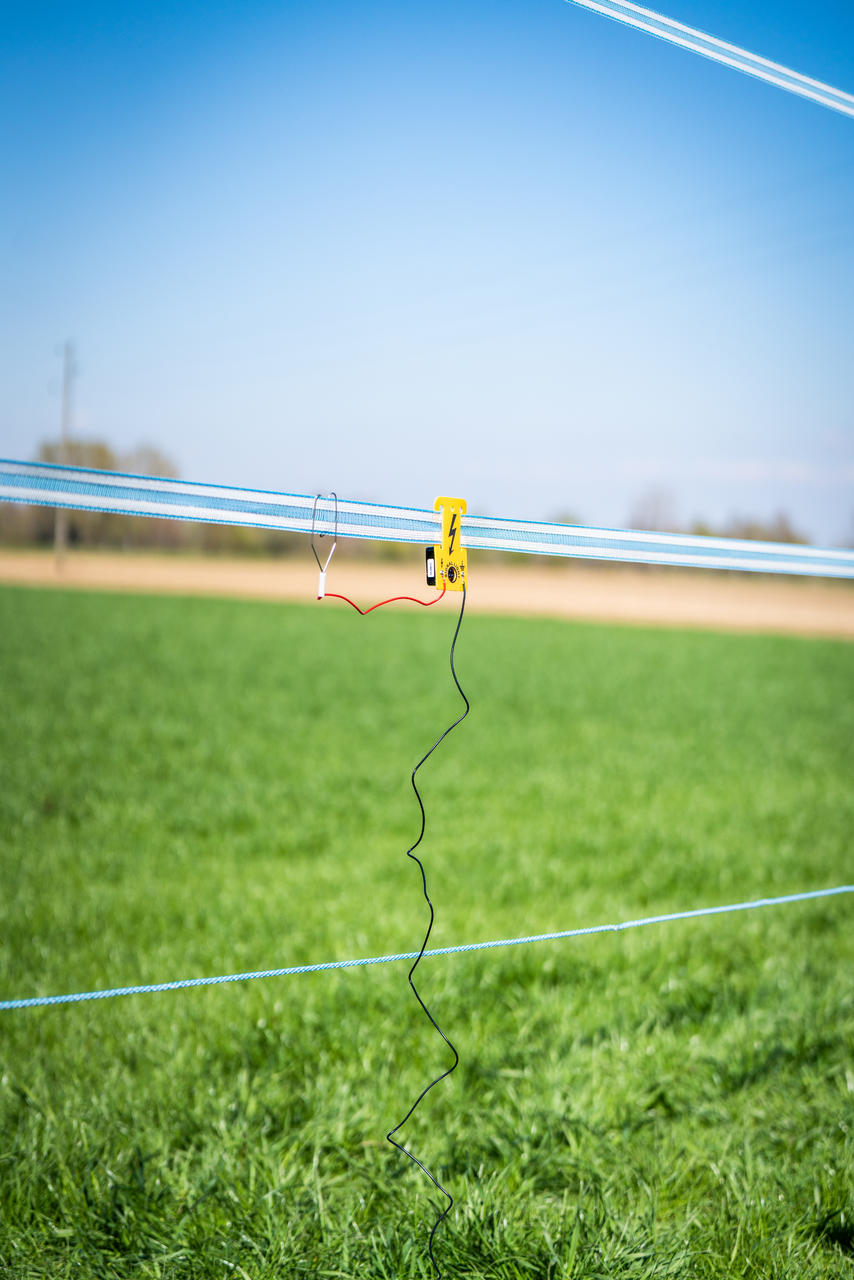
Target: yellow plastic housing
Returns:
[[451, 557]]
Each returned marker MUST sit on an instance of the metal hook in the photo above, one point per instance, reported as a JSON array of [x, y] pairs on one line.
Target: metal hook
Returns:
[[321, 581]]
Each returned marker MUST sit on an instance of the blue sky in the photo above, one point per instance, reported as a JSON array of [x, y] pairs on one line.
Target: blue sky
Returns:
[[513, 251]]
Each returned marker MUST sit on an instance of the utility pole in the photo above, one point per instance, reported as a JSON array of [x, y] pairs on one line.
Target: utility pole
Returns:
[[60, 528]]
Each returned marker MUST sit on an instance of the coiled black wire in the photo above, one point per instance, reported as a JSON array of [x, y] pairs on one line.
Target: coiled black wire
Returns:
[[410, 853]]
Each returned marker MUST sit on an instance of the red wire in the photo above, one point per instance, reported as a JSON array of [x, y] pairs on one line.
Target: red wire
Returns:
[[332, 595]]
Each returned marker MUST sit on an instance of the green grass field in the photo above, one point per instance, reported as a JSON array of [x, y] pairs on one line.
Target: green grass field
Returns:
[[193, 787]]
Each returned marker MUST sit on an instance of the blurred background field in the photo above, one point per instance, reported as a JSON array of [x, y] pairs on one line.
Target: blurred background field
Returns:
[[199, 786], [500, 583]]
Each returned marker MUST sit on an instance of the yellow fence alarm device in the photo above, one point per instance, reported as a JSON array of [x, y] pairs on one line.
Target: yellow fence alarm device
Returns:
[[447, 565]]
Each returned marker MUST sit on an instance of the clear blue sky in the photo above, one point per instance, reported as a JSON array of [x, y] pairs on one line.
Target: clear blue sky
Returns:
[[512, 250]]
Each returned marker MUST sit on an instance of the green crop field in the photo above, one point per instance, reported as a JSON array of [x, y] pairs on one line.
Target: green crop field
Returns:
[[193, 787]]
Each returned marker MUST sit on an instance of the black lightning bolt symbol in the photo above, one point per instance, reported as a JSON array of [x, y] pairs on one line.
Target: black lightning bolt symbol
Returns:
[[452, 533]]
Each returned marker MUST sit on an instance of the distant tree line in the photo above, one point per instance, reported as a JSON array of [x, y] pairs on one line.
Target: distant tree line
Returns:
[[655, 511], [778, 529]]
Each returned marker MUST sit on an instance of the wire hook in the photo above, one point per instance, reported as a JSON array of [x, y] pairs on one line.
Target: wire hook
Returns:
[[321, 581]]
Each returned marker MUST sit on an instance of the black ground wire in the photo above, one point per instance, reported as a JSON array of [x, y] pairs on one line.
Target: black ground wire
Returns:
[[410, 853]]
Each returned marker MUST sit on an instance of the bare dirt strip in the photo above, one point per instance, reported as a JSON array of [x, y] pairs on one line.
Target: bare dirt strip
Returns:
[[656, 597]]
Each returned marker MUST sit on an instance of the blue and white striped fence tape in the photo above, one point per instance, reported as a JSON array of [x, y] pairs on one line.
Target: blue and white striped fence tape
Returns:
[[77, 997], [85, 489], [655, 24]]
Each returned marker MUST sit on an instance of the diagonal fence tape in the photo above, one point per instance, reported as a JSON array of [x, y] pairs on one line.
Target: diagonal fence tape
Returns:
[[586, 931], [90, 490], [730, 55]]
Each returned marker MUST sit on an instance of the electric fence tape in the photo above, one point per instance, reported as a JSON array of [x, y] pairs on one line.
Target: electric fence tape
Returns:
[[586, 931], [656, 24], [85, 489]]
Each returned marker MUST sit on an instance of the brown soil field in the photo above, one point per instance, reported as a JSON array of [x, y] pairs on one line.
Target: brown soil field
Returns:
[[654, 597]]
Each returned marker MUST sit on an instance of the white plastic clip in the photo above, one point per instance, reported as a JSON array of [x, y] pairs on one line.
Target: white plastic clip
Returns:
[[321, 581]]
